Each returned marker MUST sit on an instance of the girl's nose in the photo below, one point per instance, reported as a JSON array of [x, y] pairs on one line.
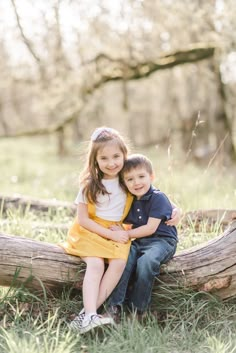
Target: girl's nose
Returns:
[[111, 163]]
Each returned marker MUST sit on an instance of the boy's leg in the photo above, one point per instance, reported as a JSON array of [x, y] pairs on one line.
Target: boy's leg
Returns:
[[154, 252], [119, 293]]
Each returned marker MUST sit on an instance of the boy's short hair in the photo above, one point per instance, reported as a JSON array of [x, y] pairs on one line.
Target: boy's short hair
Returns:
[[137, 160]]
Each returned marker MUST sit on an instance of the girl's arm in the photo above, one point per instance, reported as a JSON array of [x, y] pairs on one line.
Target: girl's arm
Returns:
[[175, 216], [145, 230], [92, 226]]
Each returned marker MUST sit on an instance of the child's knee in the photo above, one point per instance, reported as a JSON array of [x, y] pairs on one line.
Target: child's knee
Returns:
[[148, 265], [118, 264], [95, 264]]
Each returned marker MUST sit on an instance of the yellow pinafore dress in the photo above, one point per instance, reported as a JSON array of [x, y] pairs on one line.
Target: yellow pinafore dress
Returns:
[[82, 242]]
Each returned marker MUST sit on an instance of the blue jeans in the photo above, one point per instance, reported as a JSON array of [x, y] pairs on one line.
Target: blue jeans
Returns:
[[144, 262]]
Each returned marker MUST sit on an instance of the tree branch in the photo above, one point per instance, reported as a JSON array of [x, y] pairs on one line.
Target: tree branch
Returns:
[[27, 42], [111, 69]]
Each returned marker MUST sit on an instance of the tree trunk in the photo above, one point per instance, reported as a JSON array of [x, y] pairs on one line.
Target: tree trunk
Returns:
[[210, 267]]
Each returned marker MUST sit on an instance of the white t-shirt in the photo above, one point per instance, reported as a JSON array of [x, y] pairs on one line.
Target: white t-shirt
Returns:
[[109, 207]]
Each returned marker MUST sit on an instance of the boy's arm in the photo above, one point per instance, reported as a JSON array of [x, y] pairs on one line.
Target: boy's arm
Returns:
[[92, 226], [145, 230]]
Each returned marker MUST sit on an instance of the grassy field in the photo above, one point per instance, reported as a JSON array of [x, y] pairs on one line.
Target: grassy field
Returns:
[[189, 322]]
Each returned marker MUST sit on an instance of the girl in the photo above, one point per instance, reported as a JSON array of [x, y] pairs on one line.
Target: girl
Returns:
[[102, 202]]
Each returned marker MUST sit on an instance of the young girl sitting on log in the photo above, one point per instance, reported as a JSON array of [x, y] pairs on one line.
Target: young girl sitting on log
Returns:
[[102, 202]]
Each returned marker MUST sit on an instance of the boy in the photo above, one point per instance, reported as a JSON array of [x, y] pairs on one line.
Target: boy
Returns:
[[155, 242]]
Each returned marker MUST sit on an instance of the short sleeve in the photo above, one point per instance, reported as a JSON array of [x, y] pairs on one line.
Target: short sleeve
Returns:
[[80, 198], [160, 206]]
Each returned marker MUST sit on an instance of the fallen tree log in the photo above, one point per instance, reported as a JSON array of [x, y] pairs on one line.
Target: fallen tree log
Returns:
[[209, 267], [208, 218], [40, 205], [193, 218], [37, 265]]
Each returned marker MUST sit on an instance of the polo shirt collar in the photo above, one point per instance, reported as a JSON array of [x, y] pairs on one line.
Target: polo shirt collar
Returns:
[[148, 194]]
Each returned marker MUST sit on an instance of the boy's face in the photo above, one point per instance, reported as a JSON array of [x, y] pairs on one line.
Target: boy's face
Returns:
[[138, 181]]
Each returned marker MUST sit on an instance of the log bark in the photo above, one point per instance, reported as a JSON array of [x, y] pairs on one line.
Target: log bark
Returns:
[[42, 266], [209, 267], [37, 265]]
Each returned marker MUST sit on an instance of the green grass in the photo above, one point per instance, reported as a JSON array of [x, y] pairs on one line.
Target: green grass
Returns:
[[188, 322]]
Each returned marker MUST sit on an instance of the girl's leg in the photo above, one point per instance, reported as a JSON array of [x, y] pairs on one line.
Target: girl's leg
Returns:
[[91, 284], [110, 279]]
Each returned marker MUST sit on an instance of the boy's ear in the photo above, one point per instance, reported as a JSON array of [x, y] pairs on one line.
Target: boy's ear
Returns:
[[152, 176]]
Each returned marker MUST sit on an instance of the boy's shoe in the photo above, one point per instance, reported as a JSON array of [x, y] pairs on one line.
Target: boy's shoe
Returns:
[[114, 311], [140, 316], [76, 324], [93, 321]]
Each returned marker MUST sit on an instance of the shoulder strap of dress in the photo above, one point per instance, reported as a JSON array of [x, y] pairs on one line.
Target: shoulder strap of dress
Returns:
[[127, 205], [91, 209]]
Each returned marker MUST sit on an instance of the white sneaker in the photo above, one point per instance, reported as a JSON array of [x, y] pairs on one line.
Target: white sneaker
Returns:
[[76, 324], [94, 321]]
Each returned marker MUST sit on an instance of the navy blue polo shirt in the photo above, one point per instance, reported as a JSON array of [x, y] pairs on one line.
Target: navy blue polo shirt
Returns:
[[153, 204]]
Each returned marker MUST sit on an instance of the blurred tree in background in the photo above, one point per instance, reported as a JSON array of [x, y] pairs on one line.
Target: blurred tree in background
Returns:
[[161, 71]]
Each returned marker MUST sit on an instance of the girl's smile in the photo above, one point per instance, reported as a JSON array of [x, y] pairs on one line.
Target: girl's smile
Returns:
[[110, 160]]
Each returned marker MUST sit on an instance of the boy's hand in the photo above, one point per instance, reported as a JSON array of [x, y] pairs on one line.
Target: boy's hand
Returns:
[[175, 217], [121, 236]]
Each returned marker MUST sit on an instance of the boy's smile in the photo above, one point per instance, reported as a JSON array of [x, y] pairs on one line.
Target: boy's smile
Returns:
[[138, 181]]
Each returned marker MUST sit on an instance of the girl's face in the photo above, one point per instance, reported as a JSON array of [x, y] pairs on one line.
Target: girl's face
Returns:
[[110, 160]]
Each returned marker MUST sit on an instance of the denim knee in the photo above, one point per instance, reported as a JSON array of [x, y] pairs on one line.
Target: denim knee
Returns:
[[147, 266]]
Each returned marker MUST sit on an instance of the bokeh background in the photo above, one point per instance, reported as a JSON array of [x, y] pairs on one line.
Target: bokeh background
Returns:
[[161, 71]]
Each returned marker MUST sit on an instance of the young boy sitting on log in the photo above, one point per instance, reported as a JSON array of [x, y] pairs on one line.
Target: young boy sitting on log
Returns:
[[154, 244]]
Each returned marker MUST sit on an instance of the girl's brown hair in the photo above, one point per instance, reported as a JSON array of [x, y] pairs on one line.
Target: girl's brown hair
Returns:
[[91, 176]]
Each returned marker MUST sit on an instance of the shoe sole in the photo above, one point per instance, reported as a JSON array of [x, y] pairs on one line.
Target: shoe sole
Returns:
[[96, 326]]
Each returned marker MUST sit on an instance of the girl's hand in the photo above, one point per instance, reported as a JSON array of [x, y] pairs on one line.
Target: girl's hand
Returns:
[[116, 227], [175, 217], [121, 236]]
